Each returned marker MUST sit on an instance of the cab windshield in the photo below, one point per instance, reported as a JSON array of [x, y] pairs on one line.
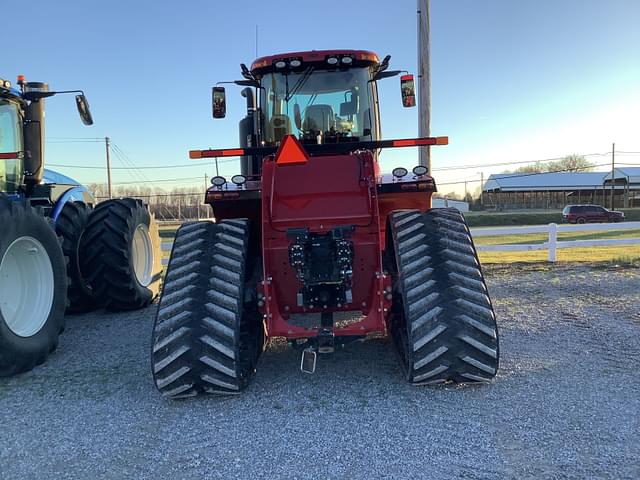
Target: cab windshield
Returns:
[[10, 147], [318, 106]]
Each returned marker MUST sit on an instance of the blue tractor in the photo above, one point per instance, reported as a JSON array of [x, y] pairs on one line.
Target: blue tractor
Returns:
[[60, 251]]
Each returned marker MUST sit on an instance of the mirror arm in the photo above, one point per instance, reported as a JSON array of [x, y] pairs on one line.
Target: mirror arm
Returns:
[[384, 74], [242, 83], [68, 91], [246, 83]]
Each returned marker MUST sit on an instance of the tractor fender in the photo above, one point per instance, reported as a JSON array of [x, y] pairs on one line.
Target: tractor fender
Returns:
[[75, 193], [78, 193]]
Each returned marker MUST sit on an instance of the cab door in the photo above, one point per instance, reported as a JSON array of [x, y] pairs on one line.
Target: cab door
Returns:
[[11, 147]]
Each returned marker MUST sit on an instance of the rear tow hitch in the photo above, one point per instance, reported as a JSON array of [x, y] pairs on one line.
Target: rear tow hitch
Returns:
[[326, 342]]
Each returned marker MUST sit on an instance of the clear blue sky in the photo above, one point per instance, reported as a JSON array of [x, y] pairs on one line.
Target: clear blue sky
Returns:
[[511, 80]]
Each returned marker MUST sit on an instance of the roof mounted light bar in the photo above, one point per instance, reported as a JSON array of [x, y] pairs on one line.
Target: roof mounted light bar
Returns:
[[337, 148]]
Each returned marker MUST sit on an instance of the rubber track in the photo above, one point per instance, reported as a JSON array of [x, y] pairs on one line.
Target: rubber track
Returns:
[[106, 248], [202, 336], [444, 324], [70, 225]]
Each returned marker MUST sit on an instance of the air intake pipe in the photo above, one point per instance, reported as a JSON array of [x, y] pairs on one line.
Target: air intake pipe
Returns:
[[248, 128], [34, 136]]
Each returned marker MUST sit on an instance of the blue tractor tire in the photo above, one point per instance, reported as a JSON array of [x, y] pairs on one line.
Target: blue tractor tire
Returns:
[[121, 257], [70, 226]]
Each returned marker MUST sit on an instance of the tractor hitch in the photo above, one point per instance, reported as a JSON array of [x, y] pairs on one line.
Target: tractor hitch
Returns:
[[326, 338], [326, 341]]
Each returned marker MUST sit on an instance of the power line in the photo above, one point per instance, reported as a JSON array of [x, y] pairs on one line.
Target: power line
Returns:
[[483, 165], [160, 180], [513, 175], [74, 141], [77, 138], [153, 195], [460, 167], [127, 161], [157, 167], [446, 183]]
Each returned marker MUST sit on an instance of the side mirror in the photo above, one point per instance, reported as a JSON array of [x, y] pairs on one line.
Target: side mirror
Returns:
[[408, 89], [219, 101], [297, 116], [83, 109]]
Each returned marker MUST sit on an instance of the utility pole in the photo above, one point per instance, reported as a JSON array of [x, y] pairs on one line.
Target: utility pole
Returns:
[[613, 174], [424, 80], [481, 188], [107, 143]]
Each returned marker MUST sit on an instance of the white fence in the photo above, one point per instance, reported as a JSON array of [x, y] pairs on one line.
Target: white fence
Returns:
[[552, 230]]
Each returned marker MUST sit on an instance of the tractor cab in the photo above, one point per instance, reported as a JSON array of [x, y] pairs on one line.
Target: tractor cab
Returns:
[[319, 106], [22, 140], [319, 97]]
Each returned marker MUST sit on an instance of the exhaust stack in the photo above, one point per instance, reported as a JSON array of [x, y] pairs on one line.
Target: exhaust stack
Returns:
[[34, 133]]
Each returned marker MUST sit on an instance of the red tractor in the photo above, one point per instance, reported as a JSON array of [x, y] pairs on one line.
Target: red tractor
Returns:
[[312, 243]]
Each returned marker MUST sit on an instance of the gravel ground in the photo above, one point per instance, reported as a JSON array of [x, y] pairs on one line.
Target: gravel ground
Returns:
[[565, 403]]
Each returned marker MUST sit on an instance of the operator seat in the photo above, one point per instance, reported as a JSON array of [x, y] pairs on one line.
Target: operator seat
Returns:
[[279, 126], [319, 118]]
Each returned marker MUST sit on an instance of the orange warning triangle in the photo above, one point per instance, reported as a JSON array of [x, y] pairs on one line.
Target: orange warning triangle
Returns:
[[291, 152]]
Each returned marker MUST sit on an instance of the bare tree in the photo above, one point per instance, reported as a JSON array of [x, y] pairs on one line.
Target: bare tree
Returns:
[[570, 163]]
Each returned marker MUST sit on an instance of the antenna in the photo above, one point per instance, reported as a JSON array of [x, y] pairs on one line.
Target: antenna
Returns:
[[256, 41]]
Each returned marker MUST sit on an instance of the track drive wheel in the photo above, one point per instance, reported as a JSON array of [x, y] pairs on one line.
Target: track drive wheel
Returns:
[[208, 334], [70, 225], [121, 254], [442, 321], [33, 287]]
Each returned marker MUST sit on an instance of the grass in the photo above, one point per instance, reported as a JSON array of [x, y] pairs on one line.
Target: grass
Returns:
[[540, 217], [623, 254], [539, 238], [168, 229], [618, 253]]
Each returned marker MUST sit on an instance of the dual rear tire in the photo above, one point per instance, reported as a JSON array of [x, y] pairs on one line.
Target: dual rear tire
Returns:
[[113, 253], [120, 255]]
